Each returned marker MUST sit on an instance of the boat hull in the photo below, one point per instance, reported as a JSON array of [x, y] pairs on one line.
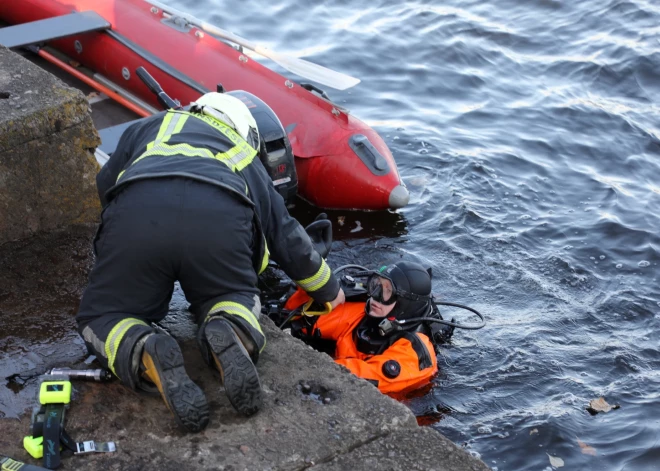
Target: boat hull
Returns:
[[333, 172]]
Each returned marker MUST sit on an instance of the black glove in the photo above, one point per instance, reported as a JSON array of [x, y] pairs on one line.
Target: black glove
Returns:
[[303, 327], [320, 232]]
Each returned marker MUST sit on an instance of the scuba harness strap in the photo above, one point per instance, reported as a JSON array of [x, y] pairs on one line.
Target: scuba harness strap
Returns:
[[52, 425]]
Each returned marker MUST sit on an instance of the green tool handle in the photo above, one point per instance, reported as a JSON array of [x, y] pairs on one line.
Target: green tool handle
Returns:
[[7, 464]]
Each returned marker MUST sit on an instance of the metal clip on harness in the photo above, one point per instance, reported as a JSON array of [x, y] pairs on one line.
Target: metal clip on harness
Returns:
[[306, 312]]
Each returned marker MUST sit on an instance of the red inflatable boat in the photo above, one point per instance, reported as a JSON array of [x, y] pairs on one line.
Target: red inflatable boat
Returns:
[[341, 162]]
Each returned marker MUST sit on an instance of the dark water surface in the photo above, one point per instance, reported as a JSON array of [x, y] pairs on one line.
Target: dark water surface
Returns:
[[528, 134]]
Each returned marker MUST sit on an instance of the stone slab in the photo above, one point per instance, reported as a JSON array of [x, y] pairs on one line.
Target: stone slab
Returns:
[[423, 449], [314, 412], [47, 168]]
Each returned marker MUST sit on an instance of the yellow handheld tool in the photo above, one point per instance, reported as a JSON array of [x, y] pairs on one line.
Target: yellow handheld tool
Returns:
[[55, 392]]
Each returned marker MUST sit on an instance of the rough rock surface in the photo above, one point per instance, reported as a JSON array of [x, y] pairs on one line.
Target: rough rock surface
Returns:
[[47, 171], [316, 415]]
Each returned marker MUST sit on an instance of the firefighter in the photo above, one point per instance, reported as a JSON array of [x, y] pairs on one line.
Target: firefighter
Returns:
[[185, 198], [367, 338]]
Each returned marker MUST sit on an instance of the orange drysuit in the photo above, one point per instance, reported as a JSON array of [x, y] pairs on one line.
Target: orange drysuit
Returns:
[[408, 363]]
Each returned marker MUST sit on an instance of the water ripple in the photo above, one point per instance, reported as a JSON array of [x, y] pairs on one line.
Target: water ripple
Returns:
[[528, 134]]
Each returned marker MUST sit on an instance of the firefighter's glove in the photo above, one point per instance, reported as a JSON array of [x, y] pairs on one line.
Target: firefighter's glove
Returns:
[[320, 233]]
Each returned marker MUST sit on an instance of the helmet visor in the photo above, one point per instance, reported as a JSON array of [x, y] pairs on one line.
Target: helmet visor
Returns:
[[381, 289]]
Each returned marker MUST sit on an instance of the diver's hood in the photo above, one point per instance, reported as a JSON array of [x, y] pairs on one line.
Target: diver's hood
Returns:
[[412, 283]]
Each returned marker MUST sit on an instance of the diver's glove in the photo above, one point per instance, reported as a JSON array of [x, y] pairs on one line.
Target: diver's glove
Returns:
[[442, 334], [303, 327], [320, 232]]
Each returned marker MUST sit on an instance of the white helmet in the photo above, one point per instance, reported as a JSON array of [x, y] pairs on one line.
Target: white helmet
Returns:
[[233, 112]]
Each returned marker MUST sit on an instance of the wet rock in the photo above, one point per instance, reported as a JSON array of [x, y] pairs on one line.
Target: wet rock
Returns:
[[282, 436], [46, 312]]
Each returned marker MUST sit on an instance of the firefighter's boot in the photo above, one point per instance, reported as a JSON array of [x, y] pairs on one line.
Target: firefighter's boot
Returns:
[[237, 371], [162, 364]]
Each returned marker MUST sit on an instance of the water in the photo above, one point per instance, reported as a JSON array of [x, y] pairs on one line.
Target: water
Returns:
[[528, 135]]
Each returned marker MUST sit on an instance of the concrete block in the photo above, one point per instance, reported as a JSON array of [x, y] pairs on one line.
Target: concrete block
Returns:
[[422, 449], [47, 138], [316, 415]]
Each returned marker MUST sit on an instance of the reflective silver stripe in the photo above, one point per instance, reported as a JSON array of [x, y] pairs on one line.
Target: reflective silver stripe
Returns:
[[161, 130], [236, 309], [235, 163], [318, 280], [90, 337], [176, 149], [173, 122], [236, 158], [115, 336], [223, 128], [220, 116], [239, 161]]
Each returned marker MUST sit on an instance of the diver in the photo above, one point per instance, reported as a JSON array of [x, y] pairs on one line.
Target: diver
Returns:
[[387, 340]]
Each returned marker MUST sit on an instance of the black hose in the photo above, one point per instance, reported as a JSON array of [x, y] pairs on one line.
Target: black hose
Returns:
[[453, 324], [365, 271], [293, 313]]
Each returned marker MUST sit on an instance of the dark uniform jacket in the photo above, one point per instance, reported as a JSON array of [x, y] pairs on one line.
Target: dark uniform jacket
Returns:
[[192, 145]]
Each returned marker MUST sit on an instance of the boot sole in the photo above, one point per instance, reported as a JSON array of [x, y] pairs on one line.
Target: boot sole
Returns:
[[181, 395], [239, 375]]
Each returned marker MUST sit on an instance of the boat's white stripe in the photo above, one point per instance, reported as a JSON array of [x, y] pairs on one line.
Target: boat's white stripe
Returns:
[[96, 97]]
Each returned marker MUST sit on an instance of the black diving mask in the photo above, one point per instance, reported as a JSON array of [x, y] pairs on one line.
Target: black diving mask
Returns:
[[378, 292]]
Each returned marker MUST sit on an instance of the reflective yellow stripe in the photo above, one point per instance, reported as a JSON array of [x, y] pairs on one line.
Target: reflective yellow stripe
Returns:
[[264, 261], [237, 158], [238, 310], [172, 124], [162, 132], [223, 128], [240, 146], [11, 465], [114, 339], [317, 281], [165, 150], [180, 121]]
